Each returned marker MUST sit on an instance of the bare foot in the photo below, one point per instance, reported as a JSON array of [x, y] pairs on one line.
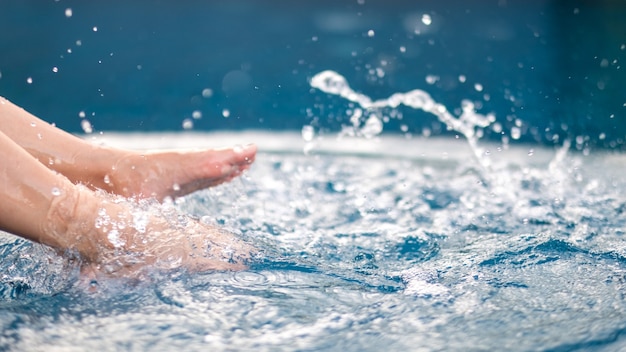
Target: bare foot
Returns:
[[120, 238], [175, 174]]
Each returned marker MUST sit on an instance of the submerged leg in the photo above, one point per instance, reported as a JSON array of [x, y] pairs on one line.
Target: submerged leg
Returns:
[[44, 206], [123, 172]]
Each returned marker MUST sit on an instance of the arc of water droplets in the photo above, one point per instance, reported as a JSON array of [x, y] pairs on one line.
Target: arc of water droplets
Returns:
[[333, 83]]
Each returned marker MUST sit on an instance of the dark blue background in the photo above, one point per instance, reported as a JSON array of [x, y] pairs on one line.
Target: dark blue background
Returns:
[[555, 65]]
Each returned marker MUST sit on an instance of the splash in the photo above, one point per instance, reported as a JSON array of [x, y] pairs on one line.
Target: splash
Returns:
[[368, 123]]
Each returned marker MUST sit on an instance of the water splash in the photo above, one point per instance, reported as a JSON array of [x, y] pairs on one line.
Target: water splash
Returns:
[[369, 124]]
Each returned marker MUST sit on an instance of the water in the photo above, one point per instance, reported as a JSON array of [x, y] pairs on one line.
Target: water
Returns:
[[366, 245], [374, 232]]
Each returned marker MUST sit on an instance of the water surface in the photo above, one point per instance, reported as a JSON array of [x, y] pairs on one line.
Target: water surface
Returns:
[[367, 244]]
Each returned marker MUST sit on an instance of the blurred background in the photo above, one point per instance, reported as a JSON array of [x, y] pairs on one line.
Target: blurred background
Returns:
[[552, 69]]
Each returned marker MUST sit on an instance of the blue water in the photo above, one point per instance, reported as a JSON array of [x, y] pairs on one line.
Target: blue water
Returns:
[[365, 246], [377, 229]]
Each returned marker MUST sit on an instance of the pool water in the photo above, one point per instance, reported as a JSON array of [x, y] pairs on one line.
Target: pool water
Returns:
[[432, 176], [367, 244]]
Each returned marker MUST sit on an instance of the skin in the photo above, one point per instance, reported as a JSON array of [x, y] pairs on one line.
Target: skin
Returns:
[[47, 183]]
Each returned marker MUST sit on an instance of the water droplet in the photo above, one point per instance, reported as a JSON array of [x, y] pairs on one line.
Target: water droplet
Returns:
[[68, 12], [107, 179], [426, 19], [33, 124], [176, 187], [197, 114], [29, 80], [308, 133], [531, 152], [86, 126], [187, 124], [207, 93], [95, 29], [370, 33], [432, 79], [516, 133], [403, 49], [81, 114], [226, 113], [478, 87], [462, 78], [56, 191], [79, 42]]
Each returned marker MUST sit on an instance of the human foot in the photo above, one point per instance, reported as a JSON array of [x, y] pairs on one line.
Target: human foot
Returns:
[[175, 174], [123, 238]]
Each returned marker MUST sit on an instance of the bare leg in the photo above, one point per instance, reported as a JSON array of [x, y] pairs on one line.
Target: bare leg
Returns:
[[44, 206], [123, 172]]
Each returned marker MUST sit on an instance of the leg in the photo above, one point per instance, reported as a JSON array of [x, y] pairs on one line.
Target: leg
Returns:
[[118, 171], [44, 206]]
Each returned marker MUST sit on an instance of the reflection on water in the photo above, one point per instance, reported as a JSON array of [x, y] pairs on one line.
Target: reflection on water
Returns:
[[364, 251]]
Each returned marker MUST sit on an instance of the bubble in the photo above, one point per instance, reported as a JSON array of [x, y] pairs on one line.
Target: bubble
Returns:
[[176, 187], [187, 124], [478, 87], [68, 12], [403, 49], [81, 114], [29, 80], [462, 78], [197, 114], [55, 69], [107, 179], [370, 33], [226, 113], [308, 133], [95, 29], [55, 191], [86, 126]]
